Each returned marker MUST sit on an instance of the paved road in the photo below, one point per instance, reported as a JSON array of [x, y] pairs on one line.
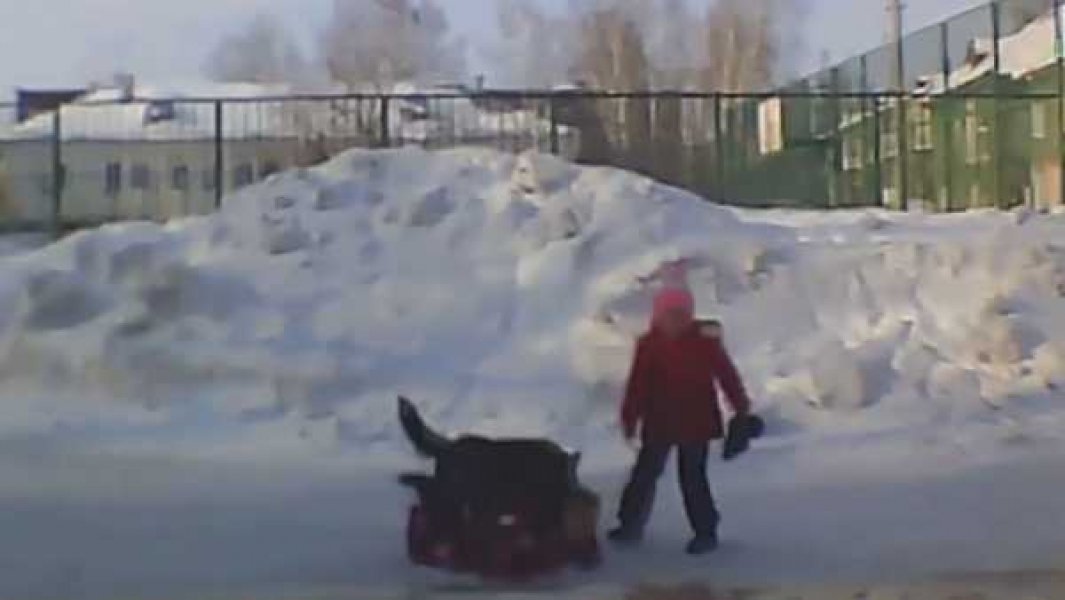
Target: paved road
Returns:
[[92, 526]]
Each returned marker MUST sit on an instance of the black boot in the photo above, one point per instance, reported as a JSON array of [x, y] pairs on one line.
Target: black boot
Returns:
[[703, 543], [625, 536]]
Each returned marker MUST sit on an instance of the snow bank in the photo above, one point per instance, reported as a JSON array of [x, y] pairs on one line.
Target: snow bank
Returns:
[[503, 293]]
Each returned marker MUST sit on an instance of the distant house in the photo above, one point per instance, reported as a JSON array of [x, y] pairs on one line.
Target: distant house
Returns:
[[139, 152], [147, 155], [1038, 124], [465, 116], [996, 150], [778, 150]]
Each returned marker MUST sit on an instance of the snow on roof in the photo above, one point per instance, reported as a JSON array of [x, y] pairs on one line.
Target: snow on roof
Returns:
[[1020, 54], [184, 113], [158, 113], [1023, 53]]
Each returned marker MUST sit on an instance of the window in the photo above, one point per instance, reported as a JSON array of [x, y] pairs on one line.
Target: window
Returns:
[[770, 131], [113, 179], [141, 177], [972, 134], [159, 111], [923, 128], [1039, 120], [890, 196], [890, 140], [243, 175], [852, 153], [889, 129], [179, 178], [983, 133]]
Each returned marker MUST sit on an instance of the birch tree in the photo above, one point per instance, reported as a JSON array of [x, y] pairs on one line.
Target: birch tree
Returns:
[[381, 43], [263, 52]]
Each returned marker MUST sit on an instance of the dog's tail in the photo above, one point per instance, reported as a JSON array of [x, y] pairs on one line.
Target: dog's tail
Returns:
[[427, 442]]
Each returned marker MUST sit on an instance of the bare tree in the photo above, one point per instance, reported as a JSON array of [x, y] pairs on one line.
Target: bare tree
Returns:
[[740, 51], [670, 33], [539, 49], [536, 48], [384, 42], [744, 43], [612, 56], [261, 53], [734, 45]]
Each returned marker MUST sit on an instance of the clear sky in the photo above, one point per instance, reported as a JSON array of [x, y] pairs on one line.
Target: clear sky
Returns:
[[69, 42]]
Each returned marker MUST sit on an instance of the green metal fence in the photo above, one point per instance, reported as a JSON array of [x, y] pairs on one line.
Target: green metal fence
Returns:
[[979, 121], [966, 113]]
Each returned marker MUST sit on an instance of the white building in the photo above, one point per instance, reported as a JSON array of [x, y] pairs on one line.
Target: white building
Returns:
[[149, 154], [137, 152]]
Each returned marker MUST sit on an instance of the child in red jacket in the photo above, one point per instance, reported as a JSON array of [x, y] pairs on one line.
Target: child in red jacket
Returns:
[[672, 397]]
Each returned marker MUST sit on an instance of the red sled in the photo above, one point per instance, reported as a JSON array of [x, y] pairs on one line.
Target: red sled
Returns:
[[505, 547]]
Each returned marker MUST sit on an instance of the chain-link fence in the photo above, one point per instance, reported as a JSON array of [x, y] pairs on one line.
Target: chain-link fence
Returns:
[[966, 113]]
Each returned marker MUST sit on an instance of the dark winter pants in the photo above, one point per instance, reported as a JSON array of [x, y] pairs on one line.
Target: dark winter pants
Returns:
[[639, 494]]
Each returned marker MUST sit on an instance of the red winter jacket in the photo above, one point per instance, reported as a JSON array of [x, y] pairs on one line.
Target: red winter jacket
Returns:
[[672, 388]]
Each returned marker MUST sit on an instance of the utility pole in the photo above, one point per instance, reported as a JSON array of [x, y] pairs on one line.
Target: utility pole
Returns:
[[894, 11]]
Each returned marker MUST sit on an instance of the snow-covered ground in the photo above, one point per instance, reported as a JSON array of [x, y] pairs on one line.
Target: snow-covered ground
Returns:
[[211, 403]]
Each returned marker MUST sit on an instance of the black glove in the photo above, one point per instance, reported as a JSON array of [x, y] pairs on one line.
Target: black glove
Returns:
[[741, 430]]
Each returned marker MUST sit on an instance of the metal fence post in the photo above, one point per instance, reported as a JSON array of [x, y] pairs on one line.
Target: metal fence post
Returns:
[[996, 106], [385, 140], [900, 59], [996, 35], [719, 148], [1059, 52], [878, 163], [904, 152], [552, 109], [869, 142], [944, 54], [58, 173], [836, 181], [946, 139], [219, 155]]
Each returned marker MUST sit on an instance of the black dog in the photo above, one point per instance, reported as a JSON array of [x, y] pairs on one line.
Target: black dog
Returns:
[[490, 478]]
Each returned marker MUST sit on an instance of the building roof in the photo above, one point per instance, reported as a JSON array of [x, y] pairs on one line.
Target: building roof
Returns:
[[157, 113], [30, 102], [254, 111], [1029, 50]]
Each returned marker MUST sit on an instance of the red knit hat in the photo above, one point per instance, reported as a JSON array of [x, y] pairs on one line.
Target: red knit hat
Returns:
[[674, 295]]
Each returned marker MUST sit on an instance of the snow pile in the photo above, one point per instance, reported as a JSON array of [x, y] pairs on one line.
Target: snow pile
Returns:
[[503, 293]]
